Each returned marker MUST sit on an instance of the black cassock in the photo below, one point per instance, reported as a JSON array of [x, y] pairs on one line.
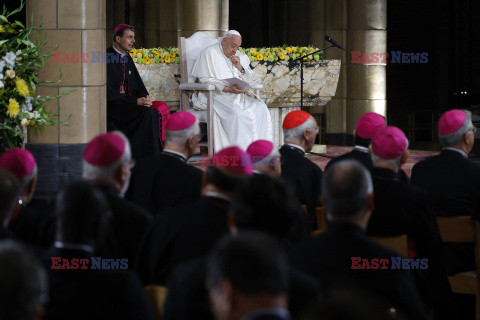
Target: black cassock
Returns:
[[139, 123]]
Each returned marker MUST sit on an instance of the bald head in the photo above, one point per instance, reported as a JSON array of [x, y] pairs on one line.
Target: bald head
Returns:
[[9, 195], [346, 187]]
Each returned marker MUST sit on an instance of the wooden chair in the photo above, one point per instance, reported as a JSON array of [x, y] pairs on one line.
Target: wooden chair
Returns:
[[395, 243], [321, 220], [156, 296], [463, 229]]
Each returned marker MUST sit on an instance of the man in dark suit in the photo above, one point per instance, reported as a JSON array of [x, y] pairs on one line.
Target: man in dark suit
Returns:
[[247, 277], [80, 288], [453, 181], [106, 163], [190, 231], [348, 199], [9, 196], [299, 131], [401, 208], [166, 180], [261, 204], [128, 102]]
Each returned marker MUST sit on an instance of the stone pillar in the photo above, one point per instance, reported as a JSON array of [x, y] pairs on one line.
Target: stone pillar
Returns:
[[210, 16], [359, 25], [76, 26]]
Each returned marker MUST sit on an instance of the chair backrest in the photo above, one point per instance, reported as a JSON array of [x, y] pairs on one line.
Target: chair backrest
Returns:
[[395, 243], [189, 49], [456, 229], [156, 296]]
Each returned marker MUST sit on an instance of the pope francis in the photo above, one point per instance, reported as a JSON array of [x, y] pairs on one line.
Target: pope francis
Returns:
[[239, 119]]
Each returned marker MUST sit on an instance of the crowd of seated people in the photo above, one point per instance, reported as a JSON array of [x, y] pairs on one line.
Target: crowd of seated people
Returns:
[[233, 241]]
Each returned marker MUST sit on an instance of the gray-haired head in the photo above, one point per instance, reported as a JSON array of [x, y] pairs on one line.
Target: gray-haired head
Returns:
[[231, 33], [106, 173], [23, 283], [346, 186], [455, 138], [295, 135], [180, 137]]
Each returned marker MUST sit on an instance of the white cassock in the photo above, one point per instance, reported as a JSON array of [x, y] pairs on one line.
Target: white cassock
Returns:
[[238, 119]]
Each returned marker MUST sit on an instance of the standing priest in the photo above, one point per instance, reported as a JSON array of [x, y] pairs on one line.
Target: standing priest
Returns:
[[128, 102], [238, 119]]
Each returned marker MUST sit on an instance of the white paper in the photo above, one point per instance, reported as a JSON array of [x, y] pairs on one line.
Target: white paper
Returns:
[[241, 85]]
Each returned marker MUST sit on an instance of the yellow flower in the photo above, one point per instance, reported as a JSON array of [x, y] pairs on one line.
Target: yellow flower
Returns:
[[10, 74], [13, 108], [276, 58], [157, 54], [32, 122], [249, 54], [139, 55], [281, 56], [289, 50], [162, 60], [1, 29], [167, 59], [135, 60], [22, 87], [162, 55], [260, 56], [172, 54]]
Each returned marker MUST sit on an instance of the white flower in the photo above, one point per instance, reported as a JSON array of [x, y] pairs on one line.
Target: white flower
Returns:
[[28, 103], [24, 122], [2, 66], [36, 115], [1, 84], [10, 73], [10, 59]]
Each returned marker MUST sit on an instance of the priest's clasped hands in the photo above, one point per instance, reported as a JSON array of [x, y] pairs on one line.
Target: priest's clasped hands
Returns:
[[145, 101]]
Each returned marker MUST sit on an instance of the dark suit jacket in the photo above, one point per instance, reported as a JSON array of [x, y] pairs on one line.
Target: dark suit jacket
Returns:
[[453, 183], [188, 297], [164, 181], [182, 233], [93, 294], [128, 227], [329, 259], [364, 158], [33, 227], [304, 175]]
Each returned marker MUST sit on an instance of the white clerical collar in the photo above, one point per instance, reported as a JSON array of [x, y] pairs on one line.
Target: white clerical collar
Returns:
[[218, 195], [175, 152], [463, 153], [72, 246], [295, 146], [121, 54], [361, 148]]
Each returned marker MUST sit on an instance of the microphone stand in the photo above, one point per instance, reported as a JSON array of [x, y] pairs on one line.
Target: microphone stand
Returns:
[[301, 71]]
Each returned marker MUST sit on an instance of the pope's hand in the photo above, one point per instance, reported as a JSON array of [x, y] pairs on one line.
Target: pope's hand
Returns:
[[233, 89], [236, 62], [145, 101]]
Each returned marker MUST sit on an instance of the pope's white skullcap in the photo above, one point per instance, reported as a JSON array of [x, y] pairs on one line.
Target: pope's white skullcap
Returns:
[[232, 33]]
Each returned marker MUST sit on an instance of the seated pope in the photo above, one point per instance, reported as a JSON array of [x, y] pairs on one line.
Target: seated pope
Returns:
[[238, 119]]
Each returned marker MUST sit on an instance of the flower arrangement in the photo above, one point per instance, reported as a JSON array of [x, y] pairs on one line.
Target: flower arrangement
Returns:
[[170, 55], [19, 60]]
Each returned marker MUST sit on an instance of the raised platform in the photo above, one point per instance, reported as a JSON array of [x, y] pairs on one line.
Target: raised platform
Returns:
[[335, 151]]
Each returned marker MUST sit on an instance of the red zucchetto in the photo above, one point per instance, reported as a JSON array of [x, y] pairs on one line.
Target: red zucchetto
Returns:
[[181, 120], [120, 27], [369, 124], [451, 121], [233, 159], [389, 143], [18, 161], [295, 118], [104, 149]]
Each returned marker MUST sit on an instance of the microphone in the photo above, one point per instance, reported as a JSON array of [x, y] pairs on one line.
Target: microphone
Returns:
[[335, 43]]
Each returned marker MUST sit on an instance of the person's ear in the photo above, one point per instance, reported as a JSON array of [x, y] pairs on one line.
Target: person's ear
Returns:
[[30, 189], [305, 134], [192, 143], [370, 202]]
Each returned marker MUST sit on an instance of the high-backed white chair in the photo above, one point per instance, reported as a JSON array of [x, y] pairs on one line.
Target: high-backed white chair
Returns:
[[189, 49]]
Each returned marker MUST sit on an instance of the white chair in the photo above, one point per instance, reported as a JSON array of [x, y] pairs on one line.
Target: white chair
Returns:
[[189, 50]]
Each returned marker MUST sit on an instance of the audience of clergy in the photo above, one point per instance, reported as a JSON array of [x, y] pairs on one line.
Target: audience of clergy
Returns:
[[107, 161], [23, 283], [238, 119], [167, 180], [82, 221], [299, 132], [189, 231], [9, 197], [400, 208], [265, 157], [128, 102], [240, 289], [261, 204], [349, 201]]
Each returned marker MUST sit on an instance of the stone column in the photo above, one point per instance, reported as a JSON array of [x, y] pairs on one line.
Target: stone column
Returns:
[[210, 16], [77, 27], [359, 25]]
